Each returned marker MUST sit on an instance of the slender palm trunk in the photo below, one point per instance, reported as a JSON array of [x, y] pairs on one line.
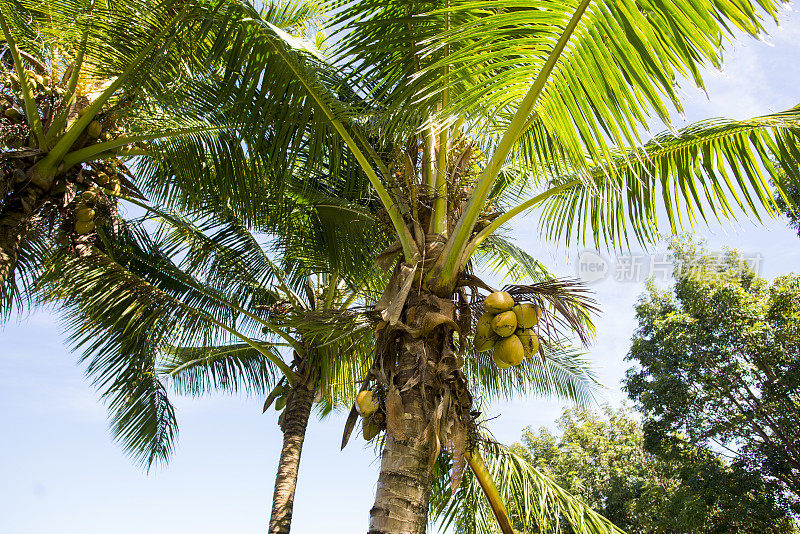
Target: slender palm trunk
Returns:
[[404, 483], [295, 422]]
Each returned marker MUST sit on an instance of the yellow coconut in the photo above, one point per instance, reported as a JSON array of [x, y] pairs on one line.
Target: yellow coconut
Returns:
[[500, 363], [497, 302], [94, 129], [484, 327], [85, 214], [370, 428], [530, 341], [84, 227], [510, 350], [484, 343], [527, 314], [366, 403], [504, 323], [89, 196]]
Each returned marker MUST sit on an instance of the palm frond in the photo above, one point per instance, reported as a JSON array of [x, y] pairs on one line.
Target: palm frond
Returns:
[[534, 502], [231, 368], [709, 169]]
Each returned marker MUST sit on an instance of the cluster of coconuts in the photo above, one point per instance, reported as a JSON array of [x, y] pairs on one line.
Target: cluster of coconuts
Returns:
[[507, 327], [85, 211], [371, 417]]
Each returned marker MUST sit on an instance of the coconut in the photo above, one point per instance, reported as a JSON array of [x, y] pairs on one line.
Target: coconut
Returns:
[[85, 214], [484, 327], [366, 403], [497, 302], [484, 343], [12, 113], [89, 195], [84, 227], [527, 314], [504, 323], [530, 341], [94, 129], [499, 362], [509, 350], [280, 403], [370, 428]]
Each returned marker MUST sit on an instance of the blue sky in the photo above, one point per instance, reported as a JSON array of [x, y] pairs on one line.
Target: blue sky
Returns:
[[60, 471]]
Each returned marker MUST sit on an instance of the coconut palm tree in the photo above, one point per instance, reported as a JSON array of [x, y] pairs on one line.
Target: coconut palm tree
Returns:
[[459, 100], [87, 84], [223, 268]]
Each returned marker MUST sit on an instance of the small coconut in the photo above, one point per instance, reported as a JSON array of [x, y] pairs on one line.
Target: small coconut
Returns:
[[530, 341], [527, 314], [510, 350], [484, 326], [366, 403], [498, 302], [370, 428], [280, 403], [85, 214], [89, 196], [500, 362], [12, 113], [484, 343], [84, 227], [94, 129], [504, 323]]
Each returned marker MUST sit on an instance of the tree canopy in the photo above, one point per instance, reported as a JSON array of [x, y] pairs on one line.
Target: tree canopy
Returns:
[[718, 364], [604, 459]]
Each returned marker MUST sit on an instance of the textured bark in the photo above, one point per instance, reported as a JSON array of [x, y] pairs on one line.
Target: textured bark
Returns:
[[295, 422], [16, 220], [404, 483]]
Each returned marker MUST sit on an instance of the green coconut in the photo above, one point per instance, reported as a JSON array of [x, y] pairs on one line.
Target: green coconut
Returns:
[[94, 129], [89, 196], [370, 428], [280, 403], [484, 327], [484, 343], [13, 113], [499, 362], [530, 341], [84, 227], [366, 403], [85, 214], [509, 350], [498, 302], [504, 323], [527, 314]]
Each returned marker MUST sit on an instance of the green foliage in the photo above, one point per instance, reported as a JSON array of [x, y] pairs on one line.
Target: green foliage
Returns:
[[603, 460], [535, 502], [718, 363]]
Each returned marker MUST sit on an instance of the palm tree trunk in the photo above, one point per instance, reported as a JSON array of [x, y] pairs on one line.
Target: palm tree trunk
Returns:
[[295, 422], [404, 483]]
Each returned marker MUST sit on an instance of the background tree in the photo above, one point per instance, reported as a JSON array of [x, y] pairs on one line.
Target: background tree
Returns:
[[717, 359], [603, 458]]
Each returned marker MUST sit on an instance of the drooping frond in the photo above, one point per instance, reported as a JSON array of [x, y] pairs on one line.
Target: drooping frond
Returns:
[[231, 368], [534, 502], [558, 371], [709, 169], [500, 255]]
